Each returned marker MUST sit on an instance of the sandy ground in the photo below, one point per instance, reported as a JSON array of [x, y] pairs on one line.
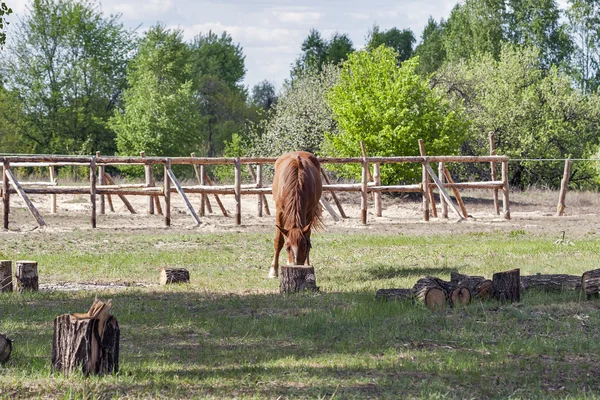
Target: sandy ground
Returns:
[[532, 211]]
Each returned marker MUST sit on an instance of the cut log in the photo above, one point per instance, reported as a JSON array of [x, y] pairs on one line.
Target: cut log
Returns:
[[434, 292], [26, 276], [551, 282], [479, 287], [297, 278], [506, 286], [6, 276], [590, 283], [461, 296], [174, 275], [88, 341], [395, 294], [5, 348]]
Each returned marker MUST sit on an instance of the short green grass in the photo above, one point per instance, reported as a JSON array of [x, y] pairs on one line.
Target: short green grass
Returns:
[[230, 334]]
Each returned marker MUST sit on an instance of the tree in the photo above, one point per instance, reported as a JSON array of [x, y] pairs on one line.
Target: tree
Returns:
[[431, 51], [584, 25], [67, 62], [318, 52], [12, 123], [535, 114], [301, 116], [401, 41], [263, 95], [4, 11], [218, 70], [161, 115], [390, 108]]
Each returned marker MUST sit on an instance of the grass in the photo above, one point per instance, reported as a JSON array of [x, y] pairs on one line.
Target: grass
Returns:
[[230, 334]]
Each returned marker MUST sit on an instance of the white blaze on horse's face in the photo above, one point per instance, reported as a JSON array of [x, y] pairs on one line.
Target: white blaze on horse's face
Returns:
[[297, 246]]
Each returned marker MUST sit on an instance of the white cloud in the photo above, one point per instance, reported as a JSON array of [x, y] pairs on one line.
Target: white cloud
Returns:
[[297, 17], [140, 9]]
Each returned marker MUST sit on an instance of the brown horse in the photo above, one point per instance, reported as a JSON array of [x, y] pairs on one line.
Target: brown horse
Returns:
[[296, 191]]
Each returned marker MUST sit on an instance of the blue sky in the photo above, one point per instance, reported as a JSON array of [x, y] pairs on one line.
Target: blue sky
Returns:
[[271, 31]]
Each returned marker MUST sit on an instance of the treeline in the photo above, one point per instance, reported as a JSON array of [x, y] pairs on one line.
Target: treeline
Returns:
[[75, 81]]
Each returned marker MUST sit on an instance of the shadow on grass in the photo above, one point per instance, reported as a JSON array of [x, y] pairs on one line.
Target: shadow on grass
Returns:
[[389, 272], [177, 344]]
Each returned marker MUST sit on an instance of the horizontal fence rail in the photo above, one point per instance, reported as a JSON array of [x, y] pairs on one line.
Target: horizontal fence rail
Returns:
[[101, 184]]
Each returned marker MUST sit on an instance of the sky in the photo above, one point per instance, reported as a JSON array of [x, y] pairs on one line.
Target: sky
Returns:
[[271, 32]]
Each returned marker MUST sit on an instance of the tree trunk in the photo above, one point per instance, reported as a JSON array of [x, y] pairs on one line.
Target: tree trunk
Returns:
[[395, 294], [506, 286], [6, 276], [590, 283], [174, 275], [5, 348], [89, 341], [552, 282], [26, 276], [297, 278]]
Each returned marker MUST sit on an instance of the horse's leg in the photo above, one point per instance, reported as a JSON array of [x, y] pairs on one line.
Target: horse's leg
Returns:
[[307, 261], [278, 243]]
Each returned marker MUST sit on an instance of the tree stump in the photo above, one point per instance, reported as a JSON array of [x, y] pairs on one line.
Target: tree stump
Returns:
[[551, 282], [5, 348], [26, 275], [590, 283], [506, 286], [6, 276], [395, 294], [88, 341], [297, 278], [174, 275], [479, 287]]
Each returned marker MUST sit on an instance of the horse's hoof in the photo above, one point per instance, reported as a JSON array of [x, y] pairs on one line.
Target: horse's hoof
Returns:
[[272, 273]]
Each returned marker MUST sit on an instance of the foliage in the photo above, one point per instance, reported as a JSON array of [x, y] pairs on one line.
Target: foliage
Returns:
[[4, 11], [161, 113], [584, 24], [12, 123], [534, 114], [390, 108], [300, 118], [401, 41], [263, 95], [431, 51], [67, 62], [318, 52]]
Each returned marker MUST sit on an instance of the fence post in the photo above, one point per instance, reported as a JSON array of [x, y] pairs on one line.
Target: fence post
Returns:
[[101, 169], [5, 193], [424, 190], [149, 183], [52, 196], [363, 189], [259, 184], [428, 188], [237, 190], [494, 172], [505, 188], [564, 184], [93, 179], [442, 175], [377, 195], [167, 190]]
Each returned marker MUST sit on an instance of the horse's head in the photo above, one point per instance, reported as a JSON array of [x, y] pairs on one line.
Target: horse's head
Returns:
[[297, 244]]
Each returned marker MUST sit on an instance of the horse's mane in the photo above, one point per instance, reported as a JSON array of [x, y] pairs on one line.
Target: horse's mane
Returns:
[[292, 184]]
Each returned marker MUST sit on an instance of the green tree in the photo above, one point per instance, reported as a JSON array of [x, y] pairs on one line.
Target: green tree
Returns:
[[12, 124], [318, 52], [67, 62], [301, 116], [535, 114], [584, 25], [390, 108], [431, 51], [263, 95], [401, 41], [161, 114], [4, 11]]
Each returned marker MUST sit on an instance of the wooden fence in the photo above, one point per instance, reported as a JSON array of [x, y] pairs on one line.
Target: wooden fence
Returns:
[[101, 187]]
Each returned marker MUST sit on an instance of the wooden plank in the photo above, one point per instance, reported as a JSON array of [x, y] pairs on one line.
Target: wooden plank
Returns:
[[329, 209], [5, 194], [167, 191], [93, 179], [429, 188], [183, 196], [121, 196], [443, 203], [148, 179], [442, 190], [238, 194], [11, 178]]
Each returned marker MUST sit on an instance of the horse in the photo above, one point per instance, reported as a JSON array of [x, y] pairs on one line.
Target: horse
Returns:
[[297, 190]]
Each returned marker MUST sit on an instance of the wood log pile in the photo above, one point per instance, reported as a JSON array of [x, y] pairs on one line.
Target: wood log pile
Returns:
[[437, 294]]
